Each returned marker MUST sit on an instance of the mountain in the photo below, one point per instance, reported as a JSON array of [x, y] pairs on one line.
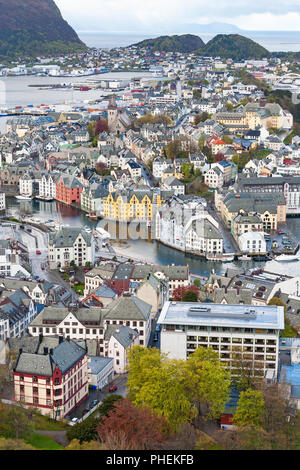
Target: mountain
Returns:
[[183, 43], [34, 27], [234, 46]]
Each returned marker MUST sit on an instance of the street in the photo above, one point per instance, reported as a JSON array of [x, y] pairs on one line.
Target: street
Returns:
[[120, 381]]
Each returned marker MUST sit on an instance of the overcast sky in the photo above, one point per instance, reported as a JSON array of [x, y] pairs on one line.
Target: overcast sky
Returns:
[[152, 15]]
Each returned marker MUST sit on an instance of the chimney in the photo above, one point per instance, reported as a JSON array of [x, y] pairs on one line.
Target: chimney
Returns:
[[45, 351], [41, 337], [60, 339], [51, 351]]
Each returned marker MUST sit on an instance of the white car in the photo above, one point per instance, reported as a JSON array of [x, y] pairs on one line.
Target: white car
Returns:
[[73, 421]]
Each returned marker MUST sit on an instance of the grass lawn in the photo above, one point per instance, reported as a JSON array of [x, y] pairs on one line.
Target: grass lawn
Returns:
[[47, 424], [41, 442]]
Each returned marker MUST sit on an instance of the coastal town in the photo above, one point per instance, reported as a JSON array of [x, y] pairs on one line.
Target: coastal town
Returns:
[[194, 154]]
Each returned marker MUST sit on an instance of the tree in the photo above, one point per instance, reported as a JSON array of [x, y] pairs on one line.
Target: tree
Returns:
[[91, 128], [84, 431], [15, 421], [157, 382], [190, 296], [101, 126], [179, 292], [14, 444], [108, 404], [75, 444], [101, 168], [207, 382], [250, 409], [219, 157], [132, 428]]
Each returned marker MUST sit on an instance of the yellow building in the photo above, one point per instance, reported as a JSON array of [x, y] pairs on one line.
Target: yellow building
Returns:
[[129, 205]]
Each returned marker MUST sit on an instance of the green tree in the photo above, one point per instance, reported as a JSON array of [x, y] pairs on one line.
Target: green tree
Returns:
[[84, 431], [250, 409], [190, 296], [207, 382], [108, 404], [157, 382]]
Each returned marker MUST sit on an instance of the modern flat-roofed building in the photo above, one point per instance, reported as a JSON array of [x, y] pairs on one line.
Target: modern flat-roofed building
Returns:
[[236, 332]]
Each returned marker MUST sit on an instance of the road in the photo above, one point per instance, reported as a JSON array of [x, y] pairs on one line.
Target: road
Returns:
[[120, 381], [34, 239]]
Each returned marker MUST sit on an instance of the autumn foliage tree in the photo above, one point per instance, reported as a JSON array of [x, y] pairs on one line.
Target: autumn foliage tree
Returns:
[[181, 293], [101, 126], [128, 427]]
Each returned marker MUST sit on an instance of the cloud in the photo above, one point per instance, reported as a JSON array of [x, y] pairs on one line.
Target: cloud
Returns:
[[134, 15]]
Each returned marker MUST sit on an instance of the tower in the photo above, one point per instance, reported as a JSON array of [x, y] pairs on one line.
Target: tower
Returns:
[[112, 111]]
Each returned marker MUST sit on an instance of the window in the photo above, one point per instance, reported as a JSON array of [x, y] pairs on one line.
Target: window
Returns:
[[35, 390], [21, 388], [35, 379], [21, 377], [35, 400], [48, 392]]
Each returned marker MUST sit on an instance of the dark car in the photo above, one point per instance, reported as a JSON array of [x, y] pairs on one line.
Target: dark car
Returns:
[[94, 403], [85, 411], [155, 338], [113, 388]]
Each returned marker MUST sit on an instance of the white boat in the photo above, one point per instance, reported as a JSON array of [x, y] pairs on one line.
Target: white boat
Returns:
[[223, 258], [287, 258], [22, 197], [245, 258]]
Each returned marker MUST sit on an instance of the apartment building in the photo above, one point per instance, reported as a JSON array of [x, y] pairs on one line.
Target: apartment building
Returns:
[[51, 374], [288, 186], [70, 244], [237, 332], [91, 323]]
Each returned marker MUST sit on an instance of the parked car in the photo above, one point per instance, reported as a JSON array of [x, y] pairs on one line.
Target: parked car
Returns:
[[85, 411], [38, 252], [94, 403], [155, 338], [73, 421], [158, 328], [113, 388]]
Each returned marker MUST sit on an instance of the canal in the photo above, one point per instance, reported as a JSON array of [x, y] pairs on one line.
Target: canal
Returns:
[[146, 249]]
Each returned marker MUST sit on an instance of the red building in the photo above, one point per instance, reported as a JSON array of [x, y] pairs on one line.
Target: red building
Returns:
[[54, 378], [68, 190]]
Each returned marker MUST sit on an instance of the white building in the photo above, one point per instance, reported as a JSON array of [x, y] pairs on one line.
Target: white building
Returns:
[[252, 242], [250, 332], [71, 244], [26, 185], [47, 187], [184, 224]]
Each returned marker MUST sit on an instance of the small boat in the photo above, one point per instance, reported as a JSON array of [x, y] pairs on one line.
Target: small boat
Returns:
[[287, 258], [92, 216], [24, 197], [244, 258], [223, 258]]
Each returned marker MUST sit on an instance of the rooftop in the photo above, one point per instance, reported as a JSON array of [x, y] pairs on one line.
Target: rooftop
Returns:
[[249, 316]]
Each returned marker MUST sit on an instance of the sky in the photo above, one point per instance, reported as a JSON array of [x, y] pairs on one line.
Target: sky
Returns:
[[154, 15]]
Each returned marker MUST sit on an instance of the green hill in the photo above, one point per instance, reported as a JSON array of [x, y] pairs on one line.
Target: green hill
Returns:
[[34, 27], [234, 46], [182, 43]]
